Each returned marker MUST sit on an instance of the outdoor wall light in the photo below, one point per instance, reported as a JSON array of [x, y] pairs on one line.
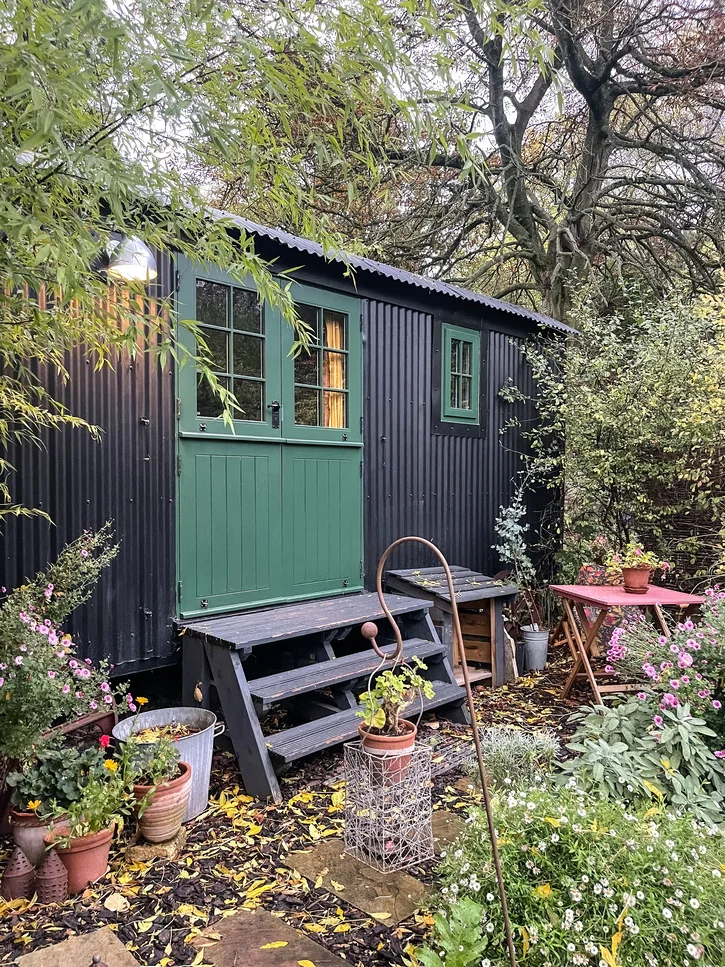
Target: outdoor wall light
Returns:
[[131, 260]]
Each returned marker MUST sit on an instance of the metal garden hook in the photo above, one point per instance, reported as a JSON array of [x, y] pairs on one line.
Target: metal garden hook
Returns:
[[370, 631]]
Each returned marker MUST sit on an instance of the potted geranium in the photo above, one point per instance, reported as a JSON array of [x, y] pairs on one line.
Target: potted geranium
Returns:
[[83, 830], [56, 775], [636, 566], [383, 732], [161, 788]]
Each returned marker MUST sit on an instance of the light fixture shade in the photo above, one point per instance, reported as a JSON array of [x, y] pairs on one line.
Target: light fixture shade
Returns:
[[132, 261]]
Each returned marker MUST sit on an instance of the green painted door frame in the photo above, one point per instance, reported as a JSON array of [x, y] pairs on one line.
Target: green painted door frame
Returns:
[[269, 509]]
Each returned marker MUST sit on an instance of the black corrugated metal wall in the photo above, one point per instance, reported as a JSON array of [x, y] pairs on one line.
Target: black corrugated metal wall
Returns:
[[446, 488], [126, 476]]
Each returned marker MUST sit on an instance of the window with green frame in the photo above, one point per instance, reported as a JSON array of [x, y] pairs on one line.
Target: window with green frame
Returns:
[[460, 376]]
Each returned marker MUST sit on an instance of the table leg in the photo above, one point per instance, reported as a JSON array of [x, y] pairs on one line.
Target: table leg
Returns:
[[582, 646], [660, 618]]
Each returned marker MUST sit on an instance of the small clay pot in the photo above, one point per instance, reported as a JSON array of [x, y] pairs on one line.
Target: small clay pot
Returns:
[[163, 816], [28, 833], [18, 878], [636, 579], [86, 858], [51, 880], [394, 750]]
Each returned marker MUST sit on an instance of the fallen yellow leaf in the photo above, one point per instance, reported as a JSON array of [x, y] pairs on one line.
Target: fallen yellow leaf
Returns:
[[305, 963], [381, 916], [337, 886], [274, 945]]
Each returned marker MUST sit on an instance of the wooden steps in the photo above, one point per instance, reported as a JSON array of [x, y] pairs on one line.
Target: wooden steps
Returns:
[[271, 689], [303, 740], [312, 657]]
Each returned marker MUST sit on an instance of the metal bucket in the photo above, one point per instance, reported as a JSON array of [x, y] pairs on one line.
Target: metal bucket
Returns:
[[536, 646], [195, 749]]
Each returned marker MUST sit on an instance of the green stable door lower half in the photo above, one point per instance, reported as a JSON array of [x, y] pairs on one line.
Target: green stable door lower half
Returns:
[[270, 509]]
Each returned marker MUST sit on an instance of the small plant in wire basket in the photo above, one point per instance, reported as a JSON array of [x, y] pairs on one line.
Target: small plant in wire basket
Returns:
[[383, 731], [512, 757]]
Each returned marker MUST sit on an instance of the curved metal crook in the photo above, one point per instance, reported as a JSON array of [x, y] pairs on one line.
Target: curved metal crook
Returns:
[[369, 630]]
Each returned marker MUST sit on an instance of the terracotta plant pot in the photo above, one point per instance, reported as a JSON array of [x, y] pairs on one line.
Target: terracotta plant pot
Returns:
[[636, 579], [394, 750], [86, 859], [163, 816], [28, 833]]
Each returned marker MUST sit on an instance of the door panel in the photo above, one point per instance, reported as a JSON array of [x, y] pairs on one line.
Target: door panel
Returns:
[[230, 528], [270, 503], [322, 518]]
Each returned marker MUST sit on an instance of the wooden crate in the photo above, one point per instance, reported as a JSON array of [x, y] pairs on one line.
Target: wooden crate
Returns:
[[476, 628]]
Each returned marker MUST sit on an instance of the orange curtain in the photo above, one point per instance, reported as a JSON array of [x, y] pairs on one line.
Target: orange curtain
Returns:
[[333, 375]]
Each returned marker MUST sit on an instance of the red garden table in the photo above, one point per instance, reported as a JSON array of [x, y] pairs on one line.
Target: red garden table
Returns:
[[581, 635]]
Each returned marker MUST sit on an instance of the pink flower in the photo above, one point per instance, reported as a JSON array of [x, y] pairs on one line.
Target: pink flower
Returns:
[[132, 706], [688, 625], [642, 696], [93, 705], [717, 705], [685, 679], [18, 659], [23, 647], [88, 661], [674, 649], [674, 683], [84, 673], [47, 622], [609, 669], [669, 700], [105, 687], [658, 720], [43, 629], [720, 753], [84, 553], [3, 590], [2, 682], [52, 638], [685, 660], [73, 663], [66, 689], [108, 699], [60, 654], [51, 674]]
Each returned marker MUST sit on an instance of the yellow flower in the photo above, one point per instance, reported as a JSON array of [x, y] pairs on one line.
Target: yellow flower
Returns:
[[33, 804], [141, 700], [111, 765]]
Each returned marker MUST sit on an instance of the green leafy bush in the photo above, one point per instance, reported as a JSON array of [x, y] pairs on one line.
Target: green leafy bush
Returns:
[[393, 690], [588, 881], [57, 775], [626, 753], [512, 756]]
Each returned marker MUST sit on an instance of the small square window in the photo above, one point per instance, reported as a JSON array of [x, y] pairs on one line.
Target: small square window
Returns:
[[461, 355]]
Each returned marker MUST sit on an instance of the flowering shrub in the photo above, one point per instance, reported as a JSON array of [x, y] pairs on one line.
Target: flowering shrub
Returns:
[[623, 754], [42, 681], [588, 883], [688, 667], [513, 756], [56, 776]]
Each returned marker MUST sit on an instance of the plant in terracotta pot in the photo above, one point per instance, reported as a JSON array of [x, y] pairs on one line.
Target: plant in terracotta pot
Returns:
[[162, 788], [636, 566], [56, 775], [83, 831], [383, 732]]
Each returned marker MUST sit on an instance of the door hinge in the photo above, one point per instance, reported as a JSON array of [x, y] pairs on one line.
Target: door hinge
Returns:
[[362, 569], [178, 408], [179, 587], [178, 464], [177, 280], [362, 422], [361, 468]]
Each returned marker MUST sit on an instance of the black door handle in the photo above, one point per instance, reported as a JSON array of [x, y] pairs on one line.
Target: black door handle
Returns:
[[275, 406]]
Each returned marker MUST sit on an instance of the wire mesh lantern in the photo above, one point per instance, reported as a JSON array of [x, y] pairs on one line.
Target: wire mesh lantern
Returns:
[[388, 808]]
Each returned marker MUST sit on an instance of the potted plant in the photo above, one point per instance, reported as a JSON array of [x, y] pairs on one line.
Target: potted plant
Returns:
[[383, 732], [161, 788], [636, 566], [57, 775], [527, 617], [83, 831]]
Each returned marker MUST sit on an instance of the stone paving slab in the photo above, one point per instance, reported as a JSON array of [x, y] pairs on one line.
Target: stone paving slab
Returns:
[[447, 827], [390, 896], [259, 939], [78, 952]]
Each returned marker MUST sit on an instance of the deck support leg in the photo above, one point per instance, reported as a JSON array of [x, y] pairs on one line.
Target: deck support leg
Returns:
[[195, 671], [243, 725]]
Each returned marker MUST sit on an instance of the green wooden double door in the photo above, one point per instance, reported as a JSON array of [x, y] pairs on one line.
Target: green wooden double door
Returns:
[[270, 507]]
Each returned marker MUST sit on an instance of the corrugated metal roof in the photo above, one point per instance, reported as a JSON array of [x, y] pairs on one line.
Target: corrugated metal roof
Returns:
[[388, 271]]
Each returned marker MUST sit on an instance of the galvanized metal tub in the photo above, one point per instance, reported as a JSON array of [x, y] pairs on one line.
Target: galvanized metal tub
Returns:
[[195, 749]]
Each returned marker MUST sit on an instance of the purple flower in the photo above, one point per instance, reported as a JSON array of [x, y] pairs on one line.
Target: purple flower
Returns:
[[51, 674], [685, 660], [642, 696], [674, 683], [669, 700], [132, 706], [18, 659], [2, 682], [105, 687], [609, 669], [84, 672], [47, 622], [66, 689], [73, 663], [93, 705], [109, 698], [720, 753], [84, 553], [674, 649], [43, 629], [717, 705], [658, 720]]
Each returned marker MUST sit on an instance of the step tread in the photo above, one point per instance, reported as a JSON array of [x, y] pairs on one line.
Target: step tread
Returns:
[[249, 629], [323, 733], [309, 678]]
